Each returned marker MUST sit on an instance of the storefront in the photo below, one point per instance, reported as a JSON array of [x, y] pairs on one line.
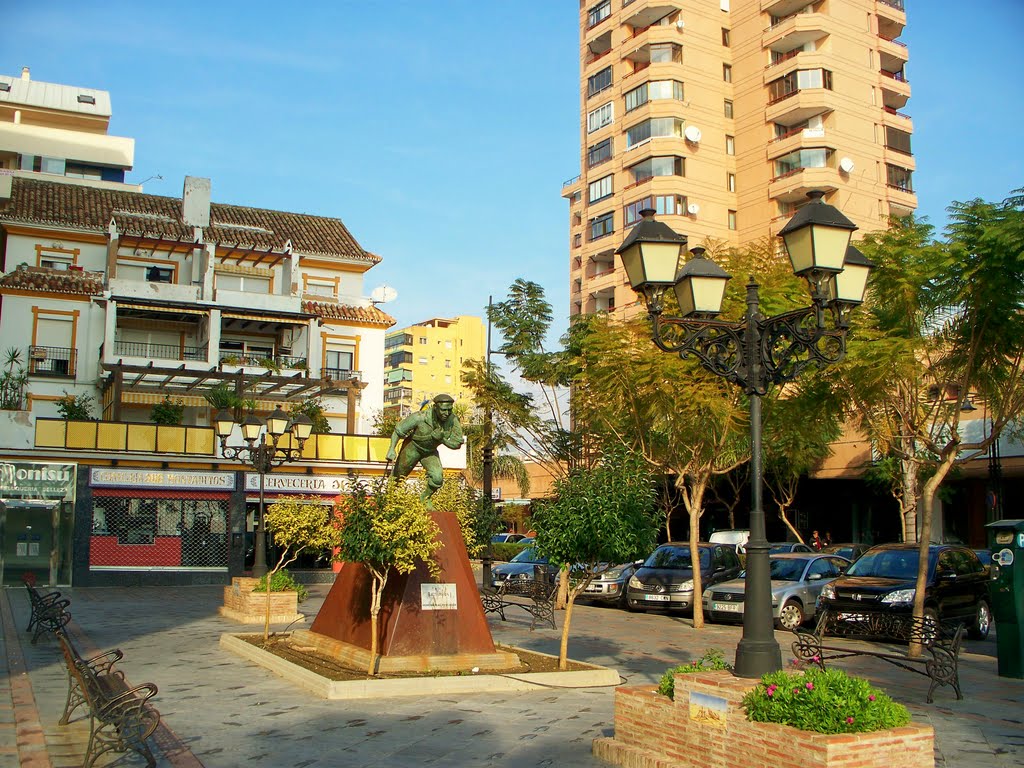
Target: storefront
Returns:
[[37, 502], [157, 526]]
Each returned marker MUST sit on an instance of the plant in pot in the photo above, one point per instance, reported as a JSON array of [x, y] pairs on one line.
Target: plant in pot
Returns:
[[168, 412], [75, 407], [12, 380]]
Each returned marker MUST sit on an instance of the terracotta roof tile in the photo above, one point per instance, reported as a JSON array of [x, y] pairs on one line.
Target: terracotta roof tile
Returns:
[[35, 201], [53, 280], [348, 312]]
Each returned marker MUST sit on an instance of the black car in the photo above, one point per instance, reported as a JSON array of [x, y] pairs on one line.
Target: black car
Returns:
[[665, 580], [884, 579], [849, 551]]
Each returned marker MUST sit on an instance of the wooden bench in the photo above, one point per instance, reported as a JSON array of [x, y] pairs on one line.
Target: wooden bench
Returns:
[[535, 597], [941, 643], [120, 716], [49, 612]]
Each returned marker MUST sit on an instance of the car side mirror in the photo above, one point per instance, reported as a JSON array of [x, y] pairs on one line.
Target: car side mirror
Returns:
[[814, 577]]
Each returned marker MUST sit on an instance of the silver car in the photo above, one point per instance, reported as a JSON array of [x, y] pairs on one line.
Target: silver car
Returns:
[[797, 580]]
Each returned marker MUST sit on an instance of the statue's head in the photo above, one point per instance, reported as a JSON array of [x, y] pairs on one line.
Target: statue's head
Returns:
[[443, 405]]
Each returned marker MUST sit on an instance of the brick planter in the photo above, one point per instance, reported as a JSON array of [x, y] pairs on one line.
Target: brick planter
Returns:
[[243, 605], [706, 727]]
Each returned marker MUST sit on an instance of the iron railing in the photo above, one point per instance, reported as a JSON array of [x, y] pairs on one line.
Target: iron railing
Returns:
[[52, 361], [158, 351]]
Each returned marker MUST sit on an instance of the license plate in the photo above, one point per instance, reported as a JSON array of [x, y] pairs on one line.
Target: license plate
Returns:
[[727, 607], [657, 598]]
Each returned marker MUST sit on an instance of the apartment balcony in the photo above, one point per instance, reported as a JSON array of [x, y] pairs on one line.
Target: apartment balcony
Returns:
[[598, 48], [895, 89], [894, 119], [144, 352], [150, 290], [602, 300], [783, 7], [341, 374], [600, 266], [797, 59], [644, 14], [892, 17], [892, 54], [902, 200], [796, 31], [283, 364], [571, 189], [795, 185], [800, 106], [798, 138], [898, 157], [641, 55], [257, 302], [60, 362]]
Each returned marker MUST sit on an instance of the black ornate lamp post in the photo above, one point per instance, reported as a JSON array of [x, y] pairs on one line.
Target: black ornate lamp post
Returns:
[[263, 455], [753, 353]]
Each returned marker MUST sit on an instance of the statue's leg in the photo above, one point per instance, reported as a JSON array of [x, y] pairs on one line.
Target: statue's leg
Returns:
[[407, 460], [435, 477]]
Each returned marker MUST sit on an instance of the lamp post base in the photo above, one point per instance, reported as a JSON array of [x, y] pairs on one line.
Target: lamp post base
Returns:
[[757, 657]]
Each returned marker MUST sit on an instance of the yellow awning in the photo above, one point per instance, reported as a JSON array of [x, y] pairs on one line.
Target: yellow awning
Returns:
[[174, 310]]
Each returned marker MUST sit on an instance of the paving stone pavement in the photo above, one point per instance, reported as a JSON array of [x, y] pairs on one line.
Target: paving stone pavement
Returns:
[[220, 711]]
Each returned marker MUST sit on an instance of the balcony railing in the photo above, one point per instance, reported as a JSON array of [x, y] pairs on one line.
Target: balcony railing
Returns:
[[271, 363], [341, 374], [52, 361], [897, 4], [897, 76], [158, 351], [892, 111]]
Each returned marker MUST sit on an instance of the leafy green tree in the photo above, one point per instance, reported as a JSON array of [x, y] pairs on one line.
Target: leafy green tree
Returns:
[[387, 530], [313, 408], [298, 524], [601, 516], [168, 411], [75, 407]]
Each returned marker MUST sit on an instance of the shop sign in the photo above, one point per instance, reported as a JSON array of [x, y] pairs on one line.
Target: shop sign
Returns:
[[26, 479], [116, 477], [284, 483]]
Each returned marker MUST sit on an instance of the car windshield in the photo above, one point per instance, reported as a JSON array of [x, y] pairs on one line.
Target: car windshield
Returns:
[[529, 555], [890, 563], [778, 548], [676, 557], [846, 552], [787, 570]]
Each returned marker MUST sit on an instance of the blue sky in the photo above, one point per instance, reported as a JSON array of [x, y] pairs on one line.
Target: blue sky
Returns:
[[441, 132]]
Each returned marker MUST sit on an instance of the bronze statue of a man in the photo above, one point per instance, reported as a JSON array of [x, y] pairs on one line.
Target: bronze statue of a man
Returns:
[[422, 432]]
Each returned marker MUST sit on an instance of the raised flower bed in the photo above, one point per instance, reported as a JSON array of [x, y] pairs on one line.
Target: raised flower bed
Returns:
[[706, 726]]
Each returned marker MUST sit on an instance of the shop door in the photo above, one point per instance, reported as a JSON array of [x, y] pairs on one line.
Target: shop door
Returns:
[[27, 542]]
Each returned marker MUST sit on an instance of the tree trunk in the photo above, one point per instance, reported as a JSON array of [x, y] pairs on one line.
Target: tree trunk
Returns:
[[908, 502], [924, 513], [783, 513], [694, 505], [266, 618], [376, 590], [562, 597], [563, 649]]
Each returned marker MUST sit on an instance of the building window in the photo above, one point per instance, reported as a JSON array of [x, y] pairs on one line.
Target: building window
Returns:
[[652, 91], [899, 178], [665, 205], [730, 181], [730, 145], [599, 153], [803, 158], [602, 226], [727, 72], [600, 117], [796, 81], [732, 220], [160, 275], [599, 13], [244, 283], [657, 166], [728, 108], [600, 189], [598, 82], [897, 140], [423, 339], [656, 127], [666, 53], [726, 37], [447, 363], [422, 361]]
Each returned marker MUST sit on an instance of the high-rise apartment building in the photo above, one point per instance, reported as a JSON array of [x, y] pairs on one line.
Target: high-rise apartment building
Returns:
[[722, 114], [426, 359]]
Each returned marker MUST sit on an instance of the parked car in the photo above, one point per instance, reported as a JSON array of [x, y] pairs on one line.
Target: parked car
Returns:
[[797, 580], [611, 585], [527, 541], [507, 538], [737, 537], [884, 579], [526, 565], [850, 551], [778, 547], [985, 555], [665, 580]]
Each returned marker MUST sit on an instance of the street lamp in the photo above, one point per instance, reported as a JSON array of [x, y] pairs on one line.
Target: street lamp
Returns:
[[752, 353], [263, 455]]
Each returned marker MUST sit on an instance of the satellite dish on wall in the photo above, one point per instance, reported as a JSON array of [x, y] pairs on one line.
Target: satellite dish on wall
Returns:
[[693, 209], [680, 24], [692, 133], [382, 294], [846, 165]]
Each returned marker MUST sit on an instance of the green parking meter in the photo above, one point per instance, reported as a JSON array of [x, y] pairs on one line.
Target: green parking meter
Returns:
[[1006, 540]]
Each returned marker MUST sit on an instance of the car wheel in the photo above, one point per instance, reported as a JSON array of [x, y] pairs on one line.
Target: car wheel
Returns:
[[982, 621], [791, 615]]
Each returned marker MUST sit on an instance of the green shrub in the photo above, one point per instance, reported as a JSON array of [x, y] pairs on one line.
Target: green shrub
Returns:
[[282, 581], [169, 411], [506, 551], [712, 659], [826, 701]]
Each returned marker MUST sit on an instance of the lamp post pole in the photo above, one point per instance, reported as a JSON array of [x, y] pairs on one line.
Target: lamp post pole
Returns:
[[488, 460], [753, 353], [263, 455]]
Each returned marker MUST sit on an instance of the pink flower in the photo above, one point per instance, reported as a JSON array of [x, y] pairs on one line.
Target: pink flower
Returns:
[[849, 720], [809, 686], [771, 690], [871, 697], [796, 690]]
